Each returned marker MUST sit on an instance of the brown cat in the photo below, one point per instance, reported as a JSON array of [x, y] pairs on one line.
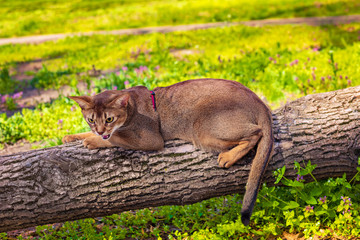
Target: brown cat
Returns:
[[213, 114]]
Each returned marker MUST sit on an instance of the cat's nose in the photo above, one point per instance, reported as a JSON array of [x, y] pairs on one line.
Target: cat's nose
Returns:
[[100, 133]]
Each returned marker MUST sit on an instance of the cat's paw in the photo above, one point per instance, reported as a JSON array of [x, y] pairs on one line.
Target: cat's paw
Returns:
[[91, 143], [95, 142], [225, 160], [70, 138]]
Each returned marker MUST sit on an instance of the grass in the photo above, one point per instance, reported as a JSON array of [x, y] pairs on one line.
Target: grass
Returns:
[[279, 63], [307, 60], [21, 18], [49, 121]]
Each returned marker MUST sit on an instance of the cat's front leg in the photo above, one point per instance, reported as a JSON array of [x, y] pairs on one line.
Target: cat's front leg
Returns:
[[95, 142], [79, 136], [91, 140]]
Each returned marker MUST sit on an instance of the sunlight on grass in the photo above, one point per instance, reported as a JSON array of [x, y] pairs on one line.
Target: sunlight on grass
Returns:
[[20, 18]]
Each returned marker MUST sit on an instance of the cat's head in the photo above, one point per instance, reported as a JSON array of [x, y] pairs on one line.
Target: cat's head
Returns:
[[104, 112]]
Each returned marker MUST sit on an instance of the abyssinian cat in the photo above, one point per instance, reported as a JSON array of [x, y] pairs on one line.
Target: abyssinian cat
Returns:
[[213, 114]]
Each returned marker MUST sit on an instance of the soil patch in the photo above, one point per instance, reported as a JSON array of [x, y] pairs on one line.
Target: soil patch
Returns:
[[32, 97], [182, 53], [26, 70], [21, 146]]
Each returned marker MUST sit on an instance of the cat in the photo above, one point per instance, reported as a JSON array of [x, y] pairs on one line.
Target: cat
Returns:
[[214, 114]]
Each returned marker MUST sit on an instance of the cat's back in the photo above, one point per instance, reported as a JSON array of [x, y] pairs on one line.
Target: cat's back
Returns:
[[182, 104], [198, 92], [196, 87]]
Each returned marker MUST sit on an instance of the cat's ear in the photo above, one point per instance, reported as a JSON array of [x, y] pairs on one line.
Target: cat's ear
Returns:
[[85, 102], [121, 101]]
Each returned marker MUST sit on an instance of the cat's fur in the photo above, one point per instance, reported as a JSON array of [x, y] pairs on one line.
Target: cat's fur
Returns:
[[213, 114]]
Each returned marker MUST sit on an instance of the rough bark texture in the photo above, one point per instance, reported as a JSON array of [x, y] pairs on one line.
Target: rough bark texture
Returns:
[[70, 182]]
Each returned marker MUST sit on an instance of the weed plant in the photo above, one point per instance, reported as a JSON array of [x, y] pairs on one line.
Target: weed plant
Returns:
[[49, 121], [6, 83], [46, 79]]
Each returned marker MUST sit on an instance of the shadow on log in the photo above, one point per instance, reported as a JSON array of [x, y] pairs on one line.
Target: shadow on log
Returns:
[[70, 182]]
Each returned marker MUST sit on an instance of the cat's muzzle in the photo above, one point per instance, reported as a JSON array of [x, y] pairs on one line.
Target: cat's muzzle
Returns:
[[105, 137]]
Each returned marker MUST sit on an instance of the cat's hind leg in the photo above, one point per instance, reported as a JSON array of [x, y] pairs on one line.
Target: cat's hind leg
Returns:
[[233, 142], [227, 158]]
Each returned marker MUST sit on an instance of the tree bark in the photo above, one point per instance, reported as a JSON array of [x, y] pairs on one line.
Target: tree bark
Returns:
[[70, 182]]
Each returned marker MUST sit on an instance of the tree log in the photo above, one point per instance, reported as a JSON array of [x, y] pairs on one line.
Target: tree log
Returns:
[[70, 182]]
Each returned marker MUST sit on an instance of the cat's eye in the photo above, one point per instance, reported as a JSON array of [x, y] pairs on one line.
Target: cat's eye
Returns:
[[91, 120], [109, 119]]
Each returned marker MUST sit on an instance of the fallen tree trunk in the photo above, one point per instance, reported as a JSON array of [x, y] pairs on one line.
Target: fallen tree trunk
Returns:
[[70, 182]]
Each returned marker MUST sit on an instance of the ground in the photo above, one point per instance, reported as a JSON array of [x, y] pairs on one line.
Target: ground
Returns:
[[25, 71]]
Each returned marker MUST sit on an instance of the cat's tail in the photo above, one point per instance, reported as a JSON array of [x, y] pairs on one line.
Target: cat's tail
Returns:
[[258, 166]]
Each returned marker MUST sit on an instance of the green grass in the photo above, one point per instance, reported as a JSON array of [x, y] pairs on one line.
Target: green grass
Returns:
[[294, 63], [308, 60], [20, 18], [49, 121]]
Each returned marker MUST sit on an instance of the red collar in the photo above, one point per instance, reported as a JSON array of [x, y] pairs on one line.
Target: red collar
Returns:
[[153, 99]]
